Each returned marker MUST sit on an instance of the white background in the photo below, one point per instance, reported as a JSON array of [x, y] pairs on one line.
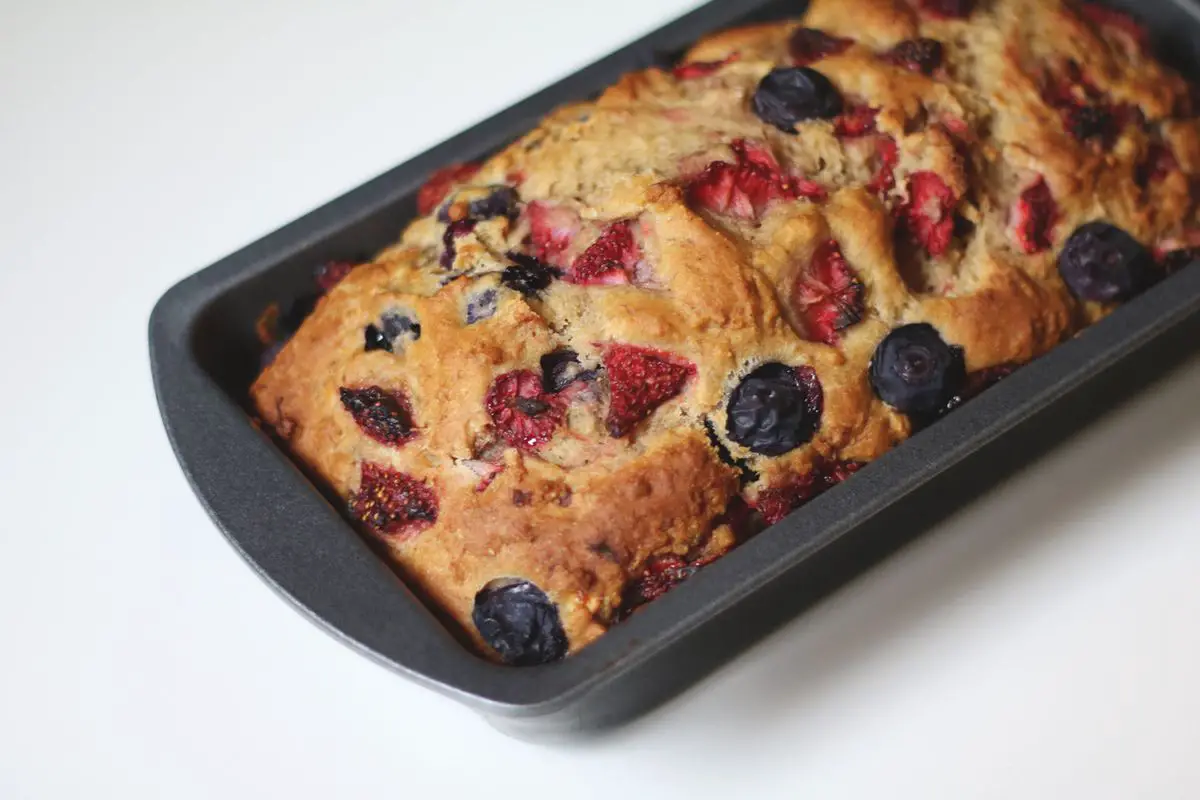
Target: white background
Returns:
[[1043, 644]]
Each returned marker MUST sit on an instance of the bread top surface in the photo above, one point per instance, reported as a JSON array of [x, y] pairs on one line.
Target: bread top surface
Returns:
[[688, 235]]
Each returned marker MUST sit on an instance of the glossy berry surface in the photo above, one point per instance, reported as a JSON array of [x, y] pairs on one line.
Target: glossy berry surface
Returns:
[[775, 409], [520, 623], [807, 45], [828, 296], [393, 327], [527, 275], [393, 504], [914, 371], [525, 416], [1103, 263], [640, 380], [385, 416], [917, 55], [788, 95]]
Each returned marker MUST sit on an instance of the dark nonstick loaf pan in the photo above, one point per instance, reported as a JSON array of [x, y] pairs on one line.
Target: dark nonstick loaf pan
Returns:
[[205, 354]]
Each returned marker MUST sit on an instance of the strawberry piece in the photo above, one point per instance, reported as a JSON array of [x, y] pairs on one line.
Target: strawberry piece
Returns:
[[746, 188], [1111, 20], [776, 502], [856, 120], [889, 155], [807, 45], [609, 260], [640, 380], [332, 273], [700, 69], [440, 183], [552, 229], [1033, 217], [828, 297], [929, 213], [385, 416], [393, 504], [524, 415]]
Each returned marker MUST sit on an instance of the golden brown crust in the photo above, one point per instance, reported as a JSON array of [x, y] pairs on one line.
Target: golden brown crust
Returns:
[[581, 515]]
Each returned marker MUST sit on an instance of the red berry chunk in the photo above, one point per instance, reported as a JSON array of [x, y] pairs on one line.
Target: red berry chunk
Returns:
[[385, 416], [929, 213], [700, 69], [608, 260], [524, 415], [856, 120], [828, 297], [1086, 111], [885, 177], [440, 183], [640, 380], [807, 45], [782, 499], [393, 504], [1158, 164], [917, 55], [1111, 20], [552, 229], [746, 188], [331, 274], [1033, 217], [947, 9]]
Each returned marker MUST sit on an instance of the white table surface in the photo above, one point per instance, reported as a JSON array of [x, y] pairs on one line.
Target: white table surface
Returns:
[[1042, 644]]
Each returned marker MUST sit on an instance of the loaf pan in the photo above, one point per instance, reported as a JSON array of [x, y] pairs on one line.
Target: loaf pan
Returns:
[[205, 354]]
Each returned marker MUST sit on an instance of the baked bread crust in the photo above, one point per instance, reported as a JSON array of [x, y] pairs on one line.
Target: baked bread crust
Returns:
[[709, 288]]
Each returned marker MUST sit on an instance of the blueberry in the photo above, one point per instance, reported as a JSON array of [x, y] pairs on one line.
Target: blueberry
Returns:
[[527, 275], [453, 231], [915, 372], [374, 339], [788, 95], [519, 622], [393, 326], [562, 368], [502, 202], [482, 306], [397, 325], [776, 408], [1101, 262]]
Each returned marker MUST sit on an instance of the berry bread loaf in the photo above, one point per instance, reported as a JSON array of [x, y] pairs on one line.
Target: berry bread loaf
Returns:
[[665, 319]]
